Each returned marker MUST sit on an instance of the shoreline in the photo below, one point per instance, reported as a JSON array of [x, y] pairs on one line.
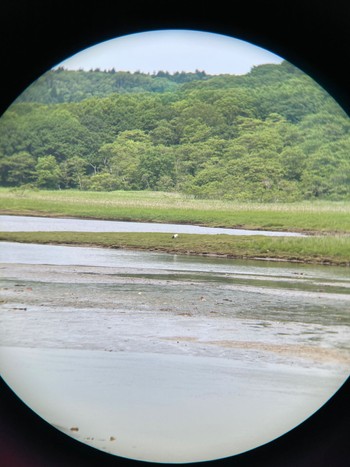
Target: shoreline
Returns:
[[50, 215], [316, 247], [321, 261]]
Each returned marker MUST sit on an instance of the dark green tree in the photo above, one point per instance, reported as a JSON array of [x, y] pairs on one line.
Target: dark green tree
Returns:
[[48, 172], [18, 169]]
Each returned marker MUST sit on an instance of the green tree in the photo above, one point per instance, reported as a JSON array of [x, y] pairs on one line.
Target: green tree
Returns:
[[58, 133], [122, 157], [48, 172], [340, 181], [154, 165], [165, 133], [195, 131], [17, 169], [73, 172], [102, 182], [293, 161]]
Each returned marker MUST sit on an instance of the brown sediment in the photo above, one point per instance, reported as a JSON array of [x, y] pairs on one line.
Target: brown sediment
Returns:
[[314, 353], [303, 351], [181, 338]]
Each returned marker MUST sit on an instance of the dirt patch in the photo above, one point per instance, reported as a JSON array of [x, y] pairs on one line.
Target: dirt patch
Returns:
[[317, 354], [181, 338]]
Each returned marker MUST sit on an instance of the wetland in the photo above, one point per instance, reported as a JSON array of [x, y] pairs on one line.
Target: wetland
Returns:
[[143, 349]]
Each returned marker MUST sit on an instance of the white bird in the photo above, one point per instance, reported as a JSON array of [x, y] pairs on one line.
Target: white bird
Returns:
[[175, 236]]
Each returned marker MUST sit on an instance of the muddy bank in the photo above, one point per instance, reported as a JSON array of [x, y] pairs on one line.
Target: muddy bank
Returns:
[[166, 357], [175, 312]]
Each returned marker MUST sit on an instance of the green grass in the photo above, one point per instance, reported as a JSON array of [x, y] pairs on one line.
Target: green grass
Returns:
[[322, 217], [320, 250]]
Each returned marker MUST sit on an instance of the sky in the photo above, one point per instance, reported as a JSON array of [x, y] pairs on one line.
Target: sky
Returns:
[[172, 50]]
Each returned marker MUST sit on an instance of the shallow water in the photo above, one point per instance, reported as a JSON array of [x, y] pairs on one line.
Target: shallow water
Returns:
[[23, 253], [166, 357], [164, 408], [44, 224]]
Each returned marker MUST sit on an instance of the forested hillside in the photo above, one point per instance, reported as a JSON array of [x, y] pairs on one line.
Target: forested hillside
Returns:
[[270, 135]]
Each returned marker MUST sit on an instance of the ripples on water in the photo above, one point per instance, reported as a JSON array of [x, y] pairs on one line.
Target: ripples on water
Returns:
[[171, 350]]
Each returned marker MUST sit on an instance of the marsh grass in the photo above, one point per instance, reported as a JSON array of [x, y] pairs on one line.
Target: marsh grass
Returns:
[[319, 250], [147, 206]]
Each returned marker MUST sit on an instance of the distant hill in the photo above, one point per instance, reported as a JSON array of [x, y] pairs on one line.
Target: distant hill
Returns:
[[60, 85], [272, 134]]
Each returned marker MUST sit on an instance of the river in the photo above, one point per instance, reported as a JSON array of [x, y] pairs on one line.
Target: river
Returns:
[[44, 224], [170, 358]]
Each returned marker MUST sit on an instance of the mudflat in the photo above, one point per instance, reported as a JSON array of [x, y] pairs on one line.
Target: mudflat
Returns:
[[172, 360]]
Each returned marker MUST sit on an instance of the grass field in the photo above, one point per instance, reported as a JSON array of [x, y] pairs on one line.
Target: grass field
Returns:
[[314, 217], [319, 250]]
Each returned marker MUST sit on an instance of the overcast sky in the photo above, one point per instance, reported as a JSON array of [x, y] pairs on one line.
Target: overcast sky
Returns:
[[172, 50]]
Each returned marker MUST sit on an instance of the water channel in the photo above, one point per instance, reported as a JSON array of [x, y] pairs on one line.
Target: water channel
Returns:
[[43, 224], [170, 358]]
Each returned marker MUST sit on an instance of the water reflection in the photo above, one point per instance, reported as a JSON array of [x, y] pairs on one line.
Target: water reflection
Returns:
[[170, 358], [43, 224]]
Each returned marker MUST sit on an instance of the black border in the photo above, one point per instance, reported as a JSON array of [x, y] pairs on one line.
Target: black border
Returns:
[[35, 35]]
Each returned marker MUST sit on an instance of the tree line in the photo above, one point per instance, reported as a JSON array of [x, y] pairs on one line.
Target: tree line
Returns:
[[270, 135]]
